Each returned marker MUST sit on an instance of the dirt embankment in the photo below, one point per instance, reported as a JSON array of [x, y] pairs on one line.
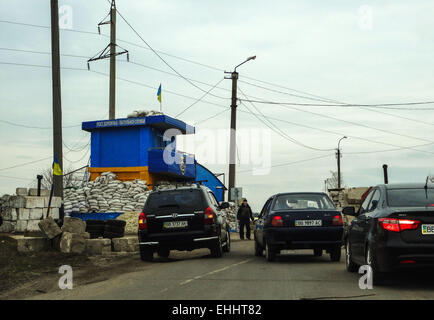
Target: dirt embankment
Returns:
[[23, 275]]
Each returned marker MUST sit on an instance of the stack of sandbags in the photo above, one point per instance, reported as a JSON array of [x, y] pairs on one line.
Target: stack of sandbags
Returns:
[[106, 194], [231, 215], [143, 113]]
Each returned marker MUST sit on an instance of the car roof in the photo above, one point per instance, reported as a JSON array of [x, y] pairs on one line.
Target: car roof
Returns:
[[181, 187], [405, 186], [286, 193]]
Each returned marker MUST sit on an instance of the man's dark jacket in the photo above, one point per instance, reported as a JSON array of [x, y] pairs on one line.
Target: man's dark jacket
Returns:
[[245, 217]]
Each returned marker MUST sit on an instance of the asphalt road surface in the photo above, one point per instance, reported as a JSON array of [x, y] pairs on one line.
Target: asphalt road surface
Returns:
[[240, 275]]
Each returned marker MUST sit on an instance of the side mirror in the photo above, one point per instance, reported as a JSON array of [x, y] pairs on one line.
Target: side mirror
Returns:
[[349, 211], [224, 205]]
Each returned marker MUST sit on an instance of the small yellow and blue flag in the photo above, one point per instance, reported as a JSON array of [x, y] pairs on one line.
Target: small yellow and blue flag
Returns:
[[57, 171], [159, 93]]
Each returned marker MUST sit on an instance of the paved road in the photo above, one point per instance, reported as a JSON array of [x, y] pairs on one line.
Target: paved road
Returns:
[[241, 275]]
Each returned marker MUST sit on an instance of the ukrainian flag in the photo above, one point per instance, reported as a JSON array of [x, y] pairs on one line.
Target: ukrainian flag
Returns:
[[159, 93], [57, 171]]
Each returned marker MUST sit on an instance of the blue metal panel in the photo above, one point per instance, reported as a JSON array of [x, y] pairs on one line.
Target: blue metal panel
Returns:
[[212, 182], [158, 165], [161, 122], [119, 148]]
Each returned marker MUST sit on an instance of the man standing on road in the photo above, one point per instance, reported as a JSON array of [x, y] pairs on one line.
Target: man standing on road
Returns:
[[243, 216]]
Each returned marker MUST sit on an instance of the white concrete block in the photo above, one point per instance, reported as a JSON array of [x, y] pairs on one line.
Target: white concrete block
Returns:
[[32, 225], [8, 226], [21, 192], [10, 214], [34, 192], [23, 213], [56, 202], [54, 213], [21, 226], [35, 202], [18, 201], [36, 214]]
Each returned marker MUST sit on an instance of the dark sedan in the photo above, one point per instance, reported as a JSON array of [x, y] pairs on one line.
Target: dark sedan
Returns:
[[291, 221], [393, 228]]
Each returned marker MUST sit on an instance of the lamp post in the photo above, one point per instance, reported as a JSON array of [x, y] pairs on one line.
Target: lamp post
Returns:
[[339, 161], [232, 143]]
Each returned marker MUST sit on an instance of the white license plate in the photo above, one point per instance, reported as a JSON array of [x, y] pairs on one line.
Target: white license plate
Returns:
[[427, 229], [175, 224], [308, 223]]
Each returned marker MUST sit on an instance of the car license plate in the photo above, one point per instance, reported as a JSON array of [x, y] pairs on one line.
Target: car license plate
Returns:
[[175, 224], [308, 223], [427, 229]]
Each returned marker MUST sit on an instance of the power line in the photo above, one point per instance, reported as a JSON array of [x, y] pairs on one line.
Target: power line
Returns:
[[212, 117], [198, 100], [162, 59], [290, 163]]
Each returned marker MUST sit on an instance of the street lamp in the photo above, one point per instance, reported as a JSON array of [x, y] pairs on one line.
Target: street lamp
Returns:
[[339, 161], [232, 143]]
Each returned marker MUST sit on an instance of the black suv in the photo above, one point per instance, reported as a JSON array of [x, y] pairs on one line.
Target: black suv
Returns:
[[183, 218]]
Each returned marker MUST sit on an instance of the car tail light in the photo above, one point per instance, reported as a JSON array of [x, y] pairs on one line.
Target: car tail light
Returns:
[[337, 220], [143, 224], [398, 225], [277, 221], [208, 216], [407, 262], [431, 205]]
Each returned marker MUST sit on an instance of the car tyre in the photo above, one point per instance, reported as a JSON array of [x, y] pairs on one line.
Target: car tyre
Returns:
[[227, 246], [317, 252], [349, 264], [270, 252], [217, 249], [377, 277], [335, 254], [259, 251], [146, 254], [163, 253]]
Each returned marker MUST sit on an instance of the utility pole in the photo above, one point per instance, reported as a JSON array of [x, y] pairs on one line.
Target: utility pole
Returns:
[[110, 52], [339, 161], [57, 103], [233, 136], [112, 98]]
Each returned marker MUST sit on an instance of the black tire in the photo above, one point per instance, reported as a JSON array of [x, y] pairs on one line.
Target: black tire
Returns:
[[227, 246], [317, 252], [114, 229], [146, 254], [111, 235], [270, 252], [93, 222], [259, 251], [371, 260], [217, 249], [116, 223], [163, 253], [95, 235], [335, 254], [349, 264]]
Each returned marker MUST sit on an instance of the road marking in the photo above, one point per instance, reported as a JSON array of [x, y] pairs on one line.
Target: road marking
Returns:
[[214, 272]]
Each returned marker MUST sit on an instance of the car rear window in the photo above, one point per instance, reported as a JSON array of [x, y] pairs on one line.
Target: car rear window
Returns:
[[175, 199], [410, 197], [303, 201]]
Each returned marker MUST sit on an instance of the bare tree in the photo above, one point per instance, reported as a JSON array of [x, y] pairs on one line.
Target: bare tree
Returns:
[[69, 179], [332, 182]]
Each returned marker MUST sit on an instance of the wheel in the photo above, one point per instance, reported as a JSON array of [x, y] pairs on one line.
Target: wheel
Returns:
[[377, 277], [270, 252], [217, 249], [116, 223], [349, 264], [227, 246], [317, 252], [111, 235], [335, 254], [146, 254], [259, 251], [164, 253]]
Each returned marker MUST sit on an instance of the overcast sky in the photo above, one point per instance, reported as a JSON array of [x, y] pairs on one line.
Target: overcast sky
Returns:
[[349, 51]]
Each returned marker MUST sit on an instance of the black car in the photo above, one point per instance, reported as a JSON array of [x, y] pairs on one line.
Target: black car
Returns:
[[299, 221], [393, 228], [184, 218]]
